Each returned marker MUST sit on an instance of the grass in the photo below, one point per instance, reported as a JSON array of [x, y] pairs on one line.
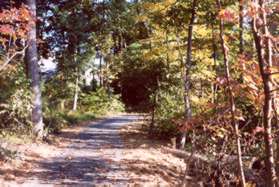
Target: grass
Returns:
[[54, 124], [77, 117], [14, 137]]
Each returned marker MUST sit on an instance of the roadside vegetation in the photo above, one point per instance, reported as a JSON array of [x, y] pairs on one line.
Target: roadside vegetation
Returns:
[[204, 71]]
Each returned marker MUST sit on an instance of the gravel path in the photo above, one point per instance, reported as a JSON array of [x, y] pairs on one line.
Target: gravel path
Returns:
[[91, 158]]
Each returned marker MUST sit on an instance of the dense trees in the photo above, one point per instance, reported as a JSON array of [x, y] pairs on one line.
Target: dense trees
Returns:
[[208, 68]]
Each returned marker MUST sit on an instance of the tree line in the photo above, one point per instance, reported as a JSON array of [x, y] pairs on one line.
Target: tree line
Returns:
[[206, 71]]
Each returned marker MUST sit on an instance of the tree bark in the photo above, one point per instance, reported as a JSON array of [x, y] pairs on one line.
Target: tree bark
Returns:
[[276, 125], [100, 70], [76, 93], [241, 27], [34, 73], [187, 77], [231, 98], [154, 105], [264, 53], [214, 86]]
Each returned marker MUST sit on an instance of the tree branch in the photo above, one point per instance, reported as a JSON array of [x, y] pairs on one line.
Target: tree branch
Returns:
[[12, 57]]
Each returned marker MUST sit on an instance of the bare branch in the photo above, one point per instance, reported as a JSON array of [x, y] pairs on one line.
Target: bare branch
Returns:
[[12, 57], [274, 90]]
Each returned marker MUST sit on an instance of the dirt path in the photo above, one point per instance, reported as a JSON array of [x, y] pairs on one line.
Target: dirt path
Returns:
[[94, 155]]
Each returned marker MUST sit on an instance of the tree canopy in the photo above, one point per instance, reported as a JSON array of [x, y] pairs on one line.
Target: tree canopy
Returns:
[[206, 71]]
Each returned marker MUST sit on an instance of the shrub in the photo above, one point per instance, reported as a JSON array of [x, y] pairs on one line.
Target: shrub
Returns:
[[54, 122], [101, 102], [15, 113]]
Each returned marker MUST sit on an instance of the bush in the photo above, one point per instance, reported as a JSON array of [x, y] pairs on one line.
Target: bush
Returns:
[[166, 129], [101, 102], [169, 106], [77, 117], [54, 122], [91, 104], [15, 113]]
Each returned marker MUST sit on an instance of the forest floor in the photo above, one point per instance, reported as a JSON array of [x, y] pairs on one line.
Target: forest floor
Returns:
[[113, 151]]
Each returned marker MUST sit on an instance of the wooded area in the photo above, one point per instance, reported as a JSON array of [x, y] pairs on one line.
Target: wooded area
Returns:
[[205, 71]]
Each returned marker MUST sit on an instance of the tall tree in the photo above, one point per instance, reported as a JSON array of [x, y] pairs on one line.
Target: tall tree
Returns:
[[234, 121], [241, 27], [263, 44], [188, 65], [34, 72]]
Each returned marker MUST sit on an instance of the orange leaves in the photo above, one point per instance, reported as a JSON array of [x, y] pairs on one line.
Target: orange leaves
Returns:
[[15, 22], [251, 86], [14, 26], [15, 15], [7, 30], [254, 9], [24, 14], [227, 15]]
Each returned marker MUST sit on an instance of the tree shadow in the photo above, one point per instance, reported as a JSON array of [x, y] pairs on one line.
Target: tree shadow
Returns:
[[81, 171], [87, 169]]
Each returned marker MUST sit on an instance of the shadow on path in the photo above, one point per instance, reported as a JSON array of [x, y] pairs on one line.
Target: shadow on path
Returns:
[[91, 157]]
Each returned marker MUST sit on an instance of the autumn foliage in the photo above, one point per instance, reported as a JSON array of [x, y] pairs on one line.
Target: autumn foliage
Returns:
[[205, 71], [14, 23]]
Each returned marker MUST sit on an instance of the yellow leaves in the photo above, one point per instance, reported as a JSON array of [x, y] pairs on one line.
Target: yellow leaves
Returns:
[[202, 31], [153, 54], [148, 5], [169, 2], [160, 7], [250, 81], [275, 77], [219, 132], [142, 18], [197, 101]]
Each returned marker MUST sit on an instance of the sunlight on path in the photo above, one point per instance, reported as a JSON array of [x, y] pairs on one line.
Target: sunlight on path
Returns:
[[92, 157]]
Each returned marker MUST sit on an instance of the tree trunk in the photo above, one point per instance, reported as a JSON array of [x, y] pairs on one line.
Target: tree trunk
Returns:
[[62, 105], [231, 98], [187, 78], [100, 71], [241, 27], [214, 86], [34, 74], [76, 93], [152, 124], [264, 53], [276, 125]]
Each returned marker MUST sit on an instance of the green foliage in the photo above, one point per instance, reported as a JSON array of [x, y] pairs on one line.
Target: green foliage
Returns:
[[74, 118], [169, 103], [6, 154], [166, 128], [58, 93], [101, 102], [15, 104], [55, 122]]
